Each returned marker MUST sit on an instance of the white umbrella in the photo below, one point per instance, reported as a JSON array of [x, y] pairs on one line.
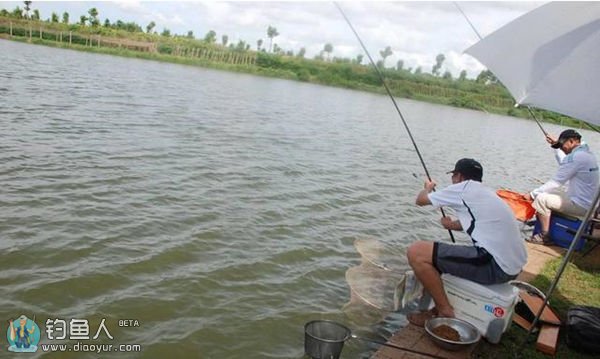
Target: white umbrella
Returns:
[[549, 58]]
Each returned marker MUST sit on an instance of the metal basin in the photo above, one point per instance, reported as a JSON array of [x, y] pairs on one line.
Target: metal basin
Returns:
[[469, 335]]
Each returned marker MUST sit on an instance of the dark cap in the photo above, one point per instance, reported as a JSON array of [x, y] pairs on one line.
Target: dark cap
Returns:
[[469, 168], [564, 136]]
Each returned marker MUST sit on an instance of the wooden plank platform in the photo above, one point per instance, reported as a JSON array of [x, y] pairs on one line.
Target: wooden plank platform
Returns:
[[415, 339], [534, 303], [547, 341]]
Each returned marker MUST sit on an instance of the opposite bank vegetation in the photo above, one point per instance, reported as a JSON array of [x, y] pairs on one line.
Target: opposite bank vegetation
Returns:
[[483, 94]]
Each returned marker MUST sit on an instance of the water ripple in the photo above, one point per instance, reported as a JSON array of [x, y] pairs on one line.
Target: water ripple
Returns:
[[222, 217]]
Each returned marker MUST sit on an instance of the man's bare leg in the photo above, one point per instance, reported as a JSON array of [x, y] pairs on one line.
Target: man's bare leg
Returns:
[[420, 258], [544, 223]]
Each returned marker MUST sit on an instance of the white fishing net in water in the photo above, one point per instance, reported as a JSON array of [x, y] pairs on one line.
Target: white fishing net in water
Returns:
[[382, 283], [379, 255]]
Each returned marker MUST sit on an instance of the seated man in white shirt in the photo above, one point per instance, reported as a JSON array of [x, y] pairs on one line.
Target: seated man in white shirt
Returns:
[[578, 170], [497, 253]]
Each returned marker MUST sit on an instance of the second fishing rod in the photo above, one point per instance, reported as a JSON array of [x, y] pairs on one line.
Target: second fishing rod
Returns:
[[394, 102]]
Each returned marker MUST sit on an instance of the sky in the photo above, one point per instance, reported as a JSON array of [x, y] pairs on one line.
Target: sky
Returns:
[[416, 31]]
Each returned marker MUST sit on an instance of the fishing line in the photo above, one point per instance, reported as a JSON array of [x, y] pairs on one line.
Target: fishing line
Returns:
[[480, 38], [393, 101], [469, 21]]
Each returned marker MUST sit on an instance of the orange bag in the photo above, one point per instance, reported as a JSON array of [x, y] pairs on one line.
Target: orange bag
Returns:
[[522, 208]]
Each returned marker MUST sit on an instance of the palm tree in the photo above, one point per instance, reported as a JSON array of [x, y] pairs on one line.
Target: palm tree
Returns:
[[65, 18], [271, 33], [399, 65], [439, 59], [384, 54], [93, 16], [27, 8], [82, 20], [17, 13], [241, 45], [259, 43], [486, 77], [328, 48], [150, 27], [210, 37]]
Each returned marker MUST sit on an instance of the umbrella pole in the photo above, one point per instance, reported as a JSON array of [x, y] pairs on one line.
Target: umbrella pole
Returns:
[[561, 269], [395, 104]]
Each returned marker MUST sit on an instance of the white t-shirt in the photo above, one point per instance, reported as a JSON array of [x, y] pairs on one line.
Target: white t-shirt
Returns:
[[580, 169], [489, 222]]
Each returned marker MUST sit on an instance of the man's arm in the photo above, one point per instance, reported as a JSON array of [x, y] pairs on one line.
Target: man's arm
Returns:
[[565, 172], [423, 196], [558, 153], [546, 187]]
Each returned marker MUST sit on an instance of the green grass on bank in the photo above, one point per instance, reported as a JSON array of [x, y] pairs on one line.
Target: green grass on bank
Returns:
[[477, 94], [578, 285]]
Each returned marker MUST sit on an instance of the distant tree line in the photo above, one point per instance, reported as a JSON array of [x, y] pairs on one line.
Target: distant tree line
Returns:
[[92, 20], [482, 93]]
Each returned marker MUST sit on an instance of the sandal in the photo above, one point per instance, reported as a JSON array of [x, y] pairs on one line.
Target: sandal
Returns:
[[419, 318], [539, 238]]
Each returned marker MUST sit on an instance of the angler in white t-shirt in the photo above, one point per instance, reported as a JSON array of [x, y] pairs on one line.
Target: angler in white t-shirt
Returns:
[[578, 170], [497, 253]]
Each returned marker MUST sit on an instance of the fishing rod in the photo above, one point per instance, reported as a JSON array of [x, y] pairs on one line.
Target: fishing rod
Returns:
[[546, 133], [393, 101], [536, 121], [466, 18], [481, 38]]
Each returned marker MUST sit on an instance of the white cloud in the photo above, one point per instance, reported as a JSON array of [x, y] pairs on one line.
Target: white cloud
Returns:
[[130, 5], [456, 62], [416, 31]]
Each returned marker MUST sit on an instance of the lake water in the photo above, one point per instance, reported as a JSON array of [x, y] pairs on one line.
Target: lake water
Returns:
[[217, 209]]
